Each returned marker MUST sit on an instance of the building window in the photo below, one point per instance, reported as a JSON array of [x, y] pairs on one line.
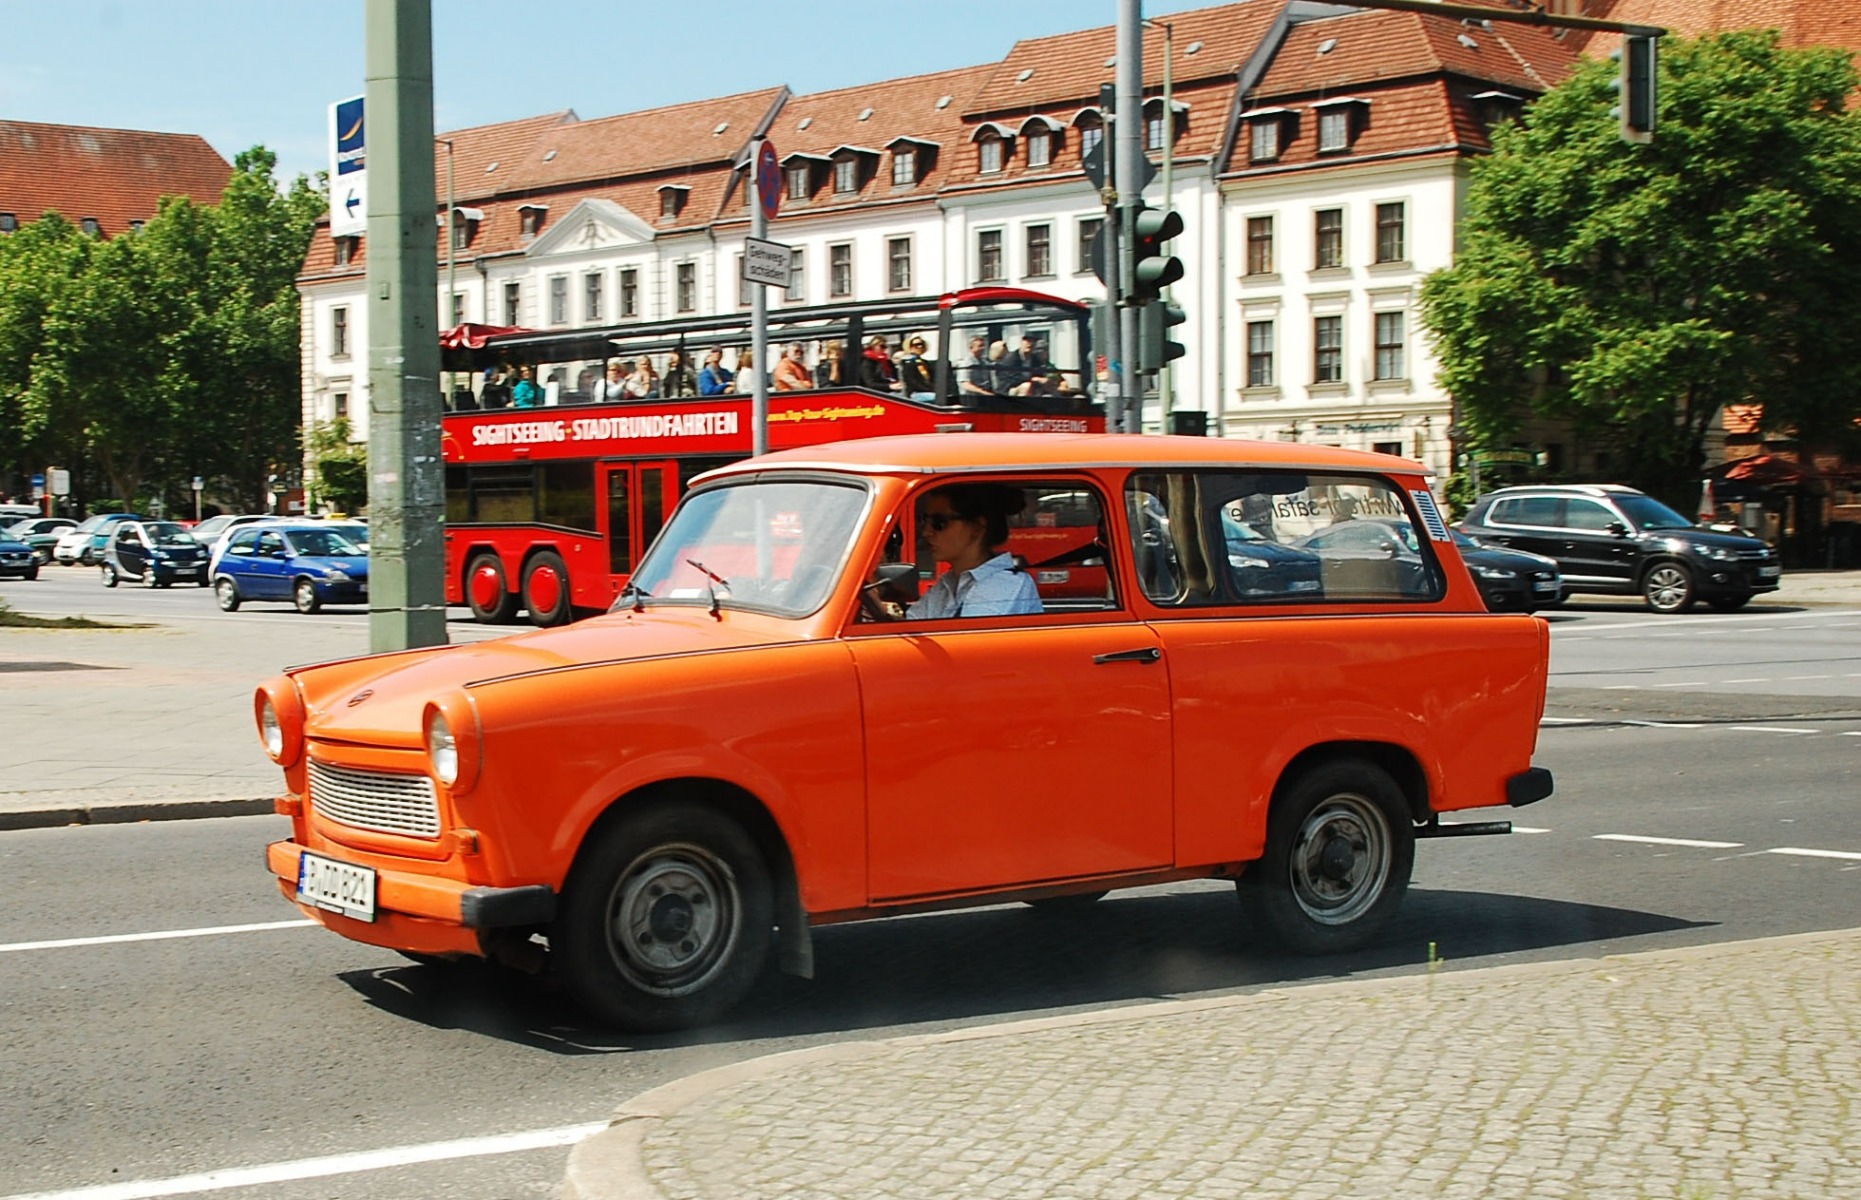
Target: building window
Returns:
[[1259, 354], [1088, 233], [840, 270], [800, 181], [91, 225], [591, 298], [671, 201], [461, 231], [339, 333], [989, 155], [345, 250], [458, 309], [512, 292], [1328, 247], [558, 299], [686, 287], [797, 277], [1334, 129], [1390, 346], [989, 256], [339, 405], [1391, 242], [1263, 145], [904, 166], [9, 222], [1328, 350], [1153, 131], [530, 220], [1039, 251], [1040, 147], [846, 175], [1260, 245], [135, 226], [898, 264], [1091, 133]]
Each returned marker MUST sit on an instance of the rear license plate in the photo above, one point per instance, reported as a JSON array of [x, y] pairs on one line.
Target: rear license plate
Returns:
[[338, 887], [1769, 572]]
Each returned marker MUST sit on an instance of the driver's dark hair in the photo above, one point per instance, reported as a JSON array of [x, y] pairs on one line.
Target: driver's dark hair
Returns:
[[990, 503]]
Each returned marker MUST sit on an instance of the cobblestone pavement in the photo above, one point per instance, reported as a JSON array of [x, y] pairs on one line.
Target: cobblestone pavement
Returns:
[[1708, 1073]]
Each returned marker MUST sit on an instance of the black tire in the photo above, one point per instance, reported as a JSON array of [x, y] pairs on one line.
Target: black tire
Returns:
[[226, 592], [505, 610], [109, 575], [1340, 849], [1668, 587], [304, 596], [1727, 603], [32, 572], [205, 580], [666, 919], [534, 573], [150, 579]]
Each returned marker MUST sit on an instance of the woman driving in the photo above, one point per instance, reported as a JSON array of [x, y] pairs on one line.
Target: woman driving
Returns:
[[965, 526]]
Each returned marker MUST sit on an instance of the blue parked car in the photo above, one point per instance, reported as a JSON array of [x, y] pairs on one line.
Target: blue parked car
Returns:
[[308, 565]]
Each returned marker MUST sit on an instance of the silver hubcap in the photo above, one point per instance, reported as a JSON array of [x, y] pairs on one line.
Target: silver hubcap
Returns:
[[1667, 587], [674, 919], [1341, 859]]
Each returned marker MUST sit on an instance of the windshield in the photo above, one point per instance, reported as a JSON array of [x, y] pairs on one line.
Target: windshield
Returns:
[[1648, 513], [770, 546], [323, 542], [167, 533]]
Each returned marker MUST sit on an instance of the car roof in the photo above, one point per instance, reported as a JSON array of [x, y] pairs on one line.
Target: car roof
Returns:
[[968, 451], [1565, 489]]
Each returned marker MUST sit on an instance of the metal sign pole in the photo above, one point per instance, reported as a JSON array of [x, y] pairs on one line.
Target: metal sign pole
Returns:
[[1128, 161], [759, 311]]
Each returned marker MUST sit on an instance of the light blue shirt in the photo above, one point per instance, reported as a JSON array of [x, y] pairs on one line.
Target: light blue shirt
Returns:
[[995, 589]]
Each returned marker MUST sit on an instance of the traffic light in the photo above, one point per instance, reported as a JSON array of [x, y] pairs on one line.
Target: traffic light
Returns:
[[1151, 269], [1639, 58], [1155, 349]]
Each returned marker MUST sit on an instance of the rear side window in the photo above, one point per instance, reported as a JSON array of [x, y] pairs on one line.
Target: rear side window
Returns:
[[1588, 514], [1530, 510], [1216, 537]]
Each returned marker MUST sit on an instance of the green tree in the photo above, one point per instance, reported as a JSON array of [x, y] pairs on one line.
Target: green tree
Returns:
[[1634, 290], [341, 479]]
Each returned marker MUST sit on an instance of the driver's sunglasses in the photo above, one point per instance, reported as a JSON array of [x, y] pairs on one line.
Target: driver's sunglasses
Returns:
[[938, 522]]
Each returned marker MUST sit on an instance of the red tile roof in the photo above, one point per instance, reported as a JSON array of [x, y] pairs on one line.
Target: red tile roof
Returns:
[[485, 158], [1803, 22], [640, 143], [1347, 52], [114, 175]]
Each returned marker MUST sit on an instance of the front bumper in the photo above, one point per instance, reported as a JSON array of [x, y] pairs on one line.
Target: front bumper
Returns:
[[421, 914]]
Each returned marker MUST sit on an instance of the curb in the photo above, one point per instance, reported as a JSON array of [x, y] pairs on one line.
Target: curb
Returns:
[[130, 814], [608, 1165]]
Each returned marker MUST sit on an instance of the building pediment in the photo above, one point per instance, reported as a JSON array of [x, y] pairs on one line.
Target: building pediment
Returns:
[[592, 224]]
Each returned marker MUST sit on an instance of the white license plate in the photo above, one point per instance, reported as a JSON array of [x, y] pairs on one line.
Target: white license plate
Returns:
[[339, 887], [1544, 585], [1769, 572]]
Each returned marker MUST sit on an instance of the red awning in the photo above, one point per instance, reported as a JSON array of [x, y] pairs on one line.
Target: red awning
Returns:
[[474, 337], [1769, 470]]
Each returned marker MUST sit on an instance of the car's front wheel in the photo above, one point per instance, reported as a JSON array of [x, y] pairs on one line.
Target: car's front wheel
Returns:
[[666, 920], [1339, 852], [1668, 587], [109, 575], [304, 596], [226, 592]]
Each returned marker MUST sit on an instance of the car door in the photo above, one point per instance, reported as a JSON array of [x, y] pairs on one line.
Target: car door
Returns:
[[1597, 544], [1013, 751], [132, 557]]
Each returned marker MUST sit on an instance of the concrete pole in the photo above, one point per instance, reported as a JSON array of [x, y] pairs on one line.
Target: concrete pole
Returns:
[[1129, 178], [406, 481], [759, 314]]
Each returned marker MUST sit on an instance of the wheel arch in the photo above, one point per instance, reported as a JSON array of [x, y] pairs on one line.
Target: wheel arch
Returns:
[[1660, 558], [1398, 762], [731, 800]]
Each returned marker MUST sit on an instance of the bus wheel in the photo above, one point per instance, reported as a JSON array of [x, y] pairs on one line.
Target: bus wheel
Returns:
[[546, 589], [488, 592]]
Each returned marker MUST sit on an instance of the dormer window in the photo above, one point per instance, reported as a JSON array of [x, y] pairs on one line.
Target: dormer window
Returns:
[[991, 149], [530, 218], [9, 222], [465, 226], [1155, 124], [1497, 107], [345, 249], [846, 175], [136, 226], [91, 225], [904, 166], [799, 181], [1266, 130], [1040, 134], [672, 199], [1091, 127], [1339, 122]]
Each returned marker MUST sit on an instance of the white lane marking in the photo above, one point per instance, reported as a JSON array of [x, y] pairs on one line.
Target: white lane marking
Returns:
[[1771, 729], [334, 1164], [1722, 682], [1528, 829], [1661, 841], [1842, 854], [1693, 621], [1791, 677], [1852, 733], [1662, 724], [1623, 687], [158, 936], [1688, 683]]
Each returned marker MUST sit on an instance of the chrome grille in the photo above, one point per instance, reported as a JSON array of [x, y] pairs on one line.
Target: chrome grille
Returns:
[[377, 800], [1755, 555]]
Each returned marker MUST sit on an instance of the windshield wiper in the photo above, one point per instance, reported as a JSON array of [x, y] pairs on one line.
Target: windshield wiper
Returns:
[[640, 596], [715, 581]]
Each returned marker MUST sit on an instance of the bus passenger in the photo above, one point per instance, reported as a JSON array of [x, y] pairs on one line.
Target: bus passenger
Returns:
[[965, 525], [524, 393], [677, 383], [614, 387], [643, 384], [876, 372], [977, 376], [791, 373], [714, 380], [827, 371], [914, 373]]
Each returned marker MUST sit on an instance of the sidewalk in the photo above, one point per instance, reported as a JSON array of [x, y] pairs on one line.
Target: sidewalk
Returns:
[[1708, 1073]]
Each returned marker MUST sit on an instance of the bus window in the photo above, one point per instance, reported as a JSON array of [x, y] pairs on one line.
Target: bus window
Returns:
[[619, 522], [503, 495], [566, 495]]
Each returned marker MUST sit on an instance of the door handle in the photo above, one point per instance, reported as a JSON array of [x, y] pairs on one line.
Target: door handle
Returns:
[[1148, 654]]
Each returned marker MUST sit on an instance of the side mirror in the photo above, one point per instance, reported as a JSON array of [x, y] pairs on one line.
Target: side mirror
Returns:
[[897, 582], [1618, 529]]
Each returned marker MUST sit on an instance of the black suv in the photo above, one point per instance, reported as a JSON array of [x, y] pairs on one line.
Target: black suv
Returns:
[[1615, 540]]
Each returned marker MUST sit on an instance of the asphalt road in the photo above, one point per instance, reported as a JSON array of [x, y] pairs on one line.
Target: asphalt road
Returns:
[[1706, 793]]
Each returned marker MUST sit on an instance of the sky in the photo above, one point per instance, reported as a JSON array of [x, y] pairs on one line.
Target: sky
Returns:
[[245, 72]]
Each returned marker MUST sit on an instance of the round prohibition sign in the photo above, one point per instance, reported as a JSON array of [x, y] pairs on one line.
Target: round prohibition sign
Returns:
[[768, 181]]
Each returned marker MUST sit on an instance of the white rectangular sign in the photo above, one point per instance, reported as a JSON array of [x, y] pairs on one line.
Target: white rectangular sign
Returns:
[[348, 169], [767, 263]]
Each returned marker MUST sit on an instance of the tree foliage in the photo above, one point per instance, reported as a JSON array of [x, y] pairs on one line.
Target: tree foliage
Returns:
[[156, 356], [1634, 290]]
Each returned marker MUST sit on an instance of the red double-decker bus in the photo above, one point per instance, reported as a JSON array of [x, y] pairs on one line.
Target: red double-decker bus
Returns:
[[549, 507]]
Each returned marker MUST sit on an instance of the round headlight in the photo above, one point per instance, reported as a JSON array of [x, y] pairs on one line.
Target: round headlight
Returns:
[[442, 751], [270, 732]]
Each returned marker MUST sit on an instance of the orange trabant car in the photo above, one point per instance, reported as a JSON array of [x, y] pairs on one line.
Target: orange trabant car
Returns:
[[834, 690]]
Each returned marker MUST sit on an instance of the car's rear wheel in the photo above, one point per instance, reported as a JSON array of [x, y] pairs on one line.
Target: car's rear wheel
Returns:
[[32, 572], [1339, 852], [1668, 587], [666, 920], [226, 592], [109, 575], [487, 591], [1727, 603], [304, 596], [546, 589]]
